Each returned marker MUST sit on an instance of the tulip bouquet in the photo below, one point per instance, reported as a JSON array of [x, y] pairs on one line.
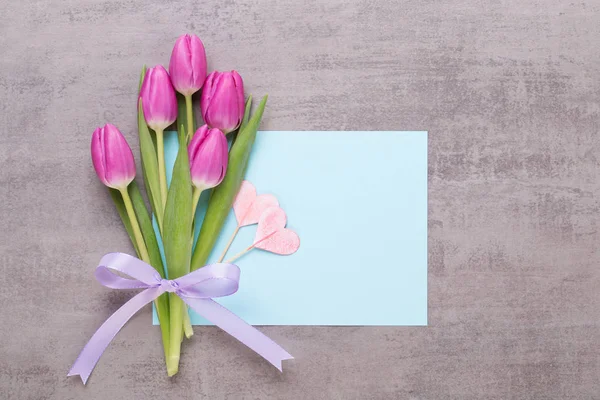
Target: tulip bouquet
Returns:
[[212, 157]]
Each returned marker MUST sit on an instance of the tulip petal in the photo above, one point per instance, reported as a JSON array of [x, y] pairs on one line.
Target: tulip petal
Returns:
[[208, 157], [198, 61], [188, 64], [120, 165], [222, 100], [159, 101], [98, 160], [112, 157], [207, 93], [197, 140]]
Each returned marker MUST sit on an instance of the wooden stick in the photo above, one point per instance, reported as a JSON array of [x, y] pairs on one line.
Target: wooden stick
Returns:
[[238, 255], [237, 229]]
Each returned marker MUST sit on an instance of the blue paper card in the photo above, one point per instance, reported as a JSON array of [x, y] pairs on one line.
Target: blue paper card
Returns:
[[358, 201]]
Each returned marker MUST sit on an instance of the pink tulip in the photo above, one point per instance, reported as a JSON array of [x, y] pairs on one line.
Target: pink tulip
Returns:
[[188, 65], [222, 100], [112, 157], [208, 157], [158, 99]]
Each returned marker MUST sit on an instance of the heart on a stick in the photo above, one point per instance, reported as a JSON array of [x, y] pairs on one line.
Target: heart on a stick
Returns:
[[273, 236], [248, 207]]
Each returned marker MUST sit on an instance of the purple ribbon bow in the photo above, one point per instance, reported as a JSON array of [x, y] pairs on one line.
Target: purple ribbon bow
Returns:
[[197, 289]]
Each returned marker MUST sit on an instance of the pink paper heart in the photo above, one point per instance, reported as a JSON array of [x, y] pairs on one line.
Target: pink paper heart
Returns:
[[248, 207], [271, 234]]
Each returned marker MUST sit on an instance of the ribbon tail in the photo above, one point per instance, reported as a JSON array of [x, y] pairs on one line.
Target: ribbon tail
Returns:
[[92, 351], [239, 329]]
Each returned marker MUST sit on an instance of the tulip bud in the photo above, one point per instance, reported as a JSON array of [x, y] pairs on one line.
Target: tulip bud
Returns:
[[222, 100], [112, 157], [208, 157], [158, 99], [188, 65]]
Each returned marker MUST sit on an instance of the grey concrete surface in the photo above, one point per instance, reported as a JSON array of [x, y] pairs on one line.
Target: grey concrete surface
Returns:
[[509, 91]]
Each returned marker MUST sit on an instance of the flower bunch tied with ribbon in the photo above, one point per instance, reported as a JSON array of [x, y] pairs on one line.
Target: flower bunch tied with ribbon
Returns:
[[212, 157]]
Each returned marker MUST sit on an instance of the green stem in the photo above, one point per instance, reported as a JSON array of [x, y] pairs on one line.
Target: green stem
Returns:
[[162, 172], [135, 226], [177, 308], [188, 330], [162, 310], [190, 117], [187, 323], [195, 199]]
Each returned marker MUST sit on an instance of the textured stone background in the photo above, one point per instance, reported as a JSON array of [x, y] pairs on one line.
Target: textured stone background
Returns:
[[509, 91]]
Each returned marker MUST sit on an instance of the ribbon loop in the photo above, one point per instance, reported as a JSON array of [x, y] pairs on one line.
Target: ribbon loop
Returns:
[[214, 280], [197, 289], [141, 274]]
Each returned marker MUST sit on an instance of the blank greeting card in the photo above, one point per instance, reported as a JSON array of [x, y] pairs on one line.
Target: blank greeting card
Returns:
[[358, 203]]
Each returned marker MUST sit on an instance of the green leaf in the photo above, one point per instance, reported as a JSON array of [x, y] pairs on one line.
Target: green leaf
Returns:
[[178, 245], [246, 113], [182, 115], [146, 227], [142, 76], [178, 215], [223, 195], [120, 205], [150, 167], [244, 120]]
